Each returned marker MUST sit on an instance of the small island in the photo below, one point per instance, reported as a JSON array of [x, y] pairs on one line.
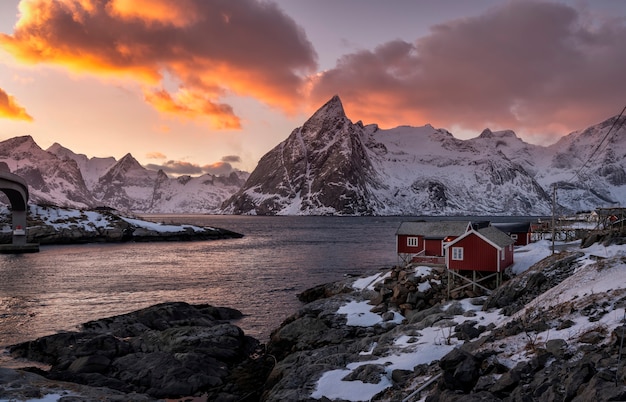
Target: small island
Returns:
[[48, 225]]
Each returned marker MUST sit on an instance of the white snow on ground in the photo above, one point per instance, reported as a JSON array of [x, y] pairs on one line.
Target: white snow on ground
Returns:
[[160, 227], [68, 218], [433, 343], [359, 314]]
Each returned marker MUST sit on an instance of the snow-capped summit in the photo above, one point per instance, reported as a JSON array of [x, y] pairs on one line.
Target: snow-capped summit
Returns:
[[332, 166], [91, 168], [50, 180], [61, 177], [321, 168]]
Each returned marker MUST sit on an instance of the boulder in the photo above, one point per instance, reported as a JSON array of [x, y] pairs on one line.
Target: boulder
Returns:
[[169, 350]]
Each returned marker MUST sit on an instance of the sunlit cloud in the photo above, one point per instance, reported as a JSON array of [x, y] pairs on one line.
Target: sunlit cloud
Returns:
[[155, 155], [209, 49], [10, 109], [178, 168], [542, 69]]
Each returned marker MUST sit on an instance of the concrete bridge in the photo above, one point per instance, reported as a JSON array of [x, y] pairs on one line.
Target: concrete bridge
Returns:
[[16, 191]]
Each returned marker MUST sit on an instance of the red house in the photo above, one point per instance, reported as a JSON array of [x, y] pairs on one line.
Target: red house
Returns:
[[486, 249], [520, 232], [424, 242]]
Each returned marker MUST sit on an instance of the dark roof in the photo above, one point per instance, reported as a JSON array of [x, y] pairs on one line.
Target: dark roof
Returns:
[[493, 235], [514, 227], [434, 229], [496, 236]]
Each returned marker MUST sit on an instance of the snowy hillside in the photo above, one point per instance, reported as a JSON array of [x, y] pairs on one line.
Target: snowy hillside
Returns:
[[333, 166], [590, 301]]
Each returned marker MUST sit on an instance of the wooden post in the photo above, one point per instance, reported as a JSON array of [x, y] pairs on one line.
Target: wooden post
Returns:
[[553, 213]]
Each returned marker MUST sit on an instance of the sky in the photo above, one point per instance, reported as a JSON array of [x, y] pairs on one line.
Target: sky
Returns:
[[208, 86]]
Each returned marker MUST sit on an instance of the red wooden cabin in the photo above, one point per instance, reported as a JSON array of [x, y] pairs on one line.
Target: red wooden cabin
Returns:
[[420, 241], [486, 249], [520, 232]]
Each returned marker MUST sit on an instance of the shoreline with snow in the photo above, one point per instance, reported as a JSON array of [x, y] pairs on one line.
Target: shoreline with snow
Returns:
[[358, 342], [47, 225]]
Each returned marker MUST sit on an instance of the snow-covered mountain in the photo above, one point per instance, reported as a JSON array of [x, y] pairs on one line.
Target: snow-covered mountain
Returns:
[[61, 177], [51, 180], [333, 166]]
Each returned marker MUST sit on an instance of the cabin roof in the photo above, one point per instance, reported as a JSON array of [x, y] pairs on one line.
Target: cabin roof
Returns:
[[496, 236], [490, 234], [434, 229], [513, 227]]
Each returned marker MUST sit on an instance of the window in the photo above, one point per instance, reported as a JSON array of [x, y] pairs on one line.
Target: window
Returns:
[[514, 236], [412, 241], [457, 253]]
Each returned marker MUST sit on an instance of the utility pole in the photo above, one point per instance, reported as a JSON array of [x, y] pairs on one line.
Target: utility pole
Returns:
[[553, 213]]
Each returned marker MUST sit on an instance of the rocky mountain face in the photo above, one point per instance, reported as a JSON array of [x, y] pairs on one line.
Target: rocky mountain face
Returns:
[[333, 166], [61, 177], [323, 167]]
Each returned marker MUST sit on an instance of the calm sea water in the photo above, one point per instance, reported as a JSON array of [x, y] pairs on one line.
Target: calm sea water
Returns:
[[63, 286]]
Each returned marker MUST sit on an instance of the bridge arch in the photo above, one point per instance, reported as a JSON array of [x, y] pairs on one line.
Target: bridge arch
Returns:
[[16, 191]]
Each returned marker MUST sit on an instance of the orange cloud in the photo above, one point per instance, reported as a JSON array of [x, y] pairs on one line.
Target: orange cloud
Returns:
[[194, 105], [10, 109], [538, 68], [156, 11], [155, 155], [209, 49], [186, 168]]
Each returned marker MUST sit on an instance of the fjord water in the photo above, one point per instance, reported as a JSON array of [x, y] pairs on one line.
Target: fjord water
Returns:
[[260, 274]]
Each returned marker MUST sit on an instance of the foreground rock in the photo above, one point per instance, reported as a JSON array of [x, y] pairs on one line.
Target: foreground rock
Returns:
[[169, 350], [556, 332], [523, 343]]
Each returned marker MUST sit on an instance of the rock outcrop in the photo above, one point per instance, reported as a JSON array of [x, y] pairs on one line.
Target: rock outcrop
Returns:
[[52, 225], [169, 350], [460, 346]]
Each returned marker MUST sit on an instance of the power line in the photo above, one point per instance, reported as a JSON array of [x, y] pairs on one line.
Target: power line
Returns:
[[578, 172]]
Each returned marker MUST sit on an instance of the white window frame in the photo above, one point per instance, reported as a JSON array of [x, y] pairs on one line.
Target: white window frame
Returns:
[[412, 241], [457, 253], [514, 236]]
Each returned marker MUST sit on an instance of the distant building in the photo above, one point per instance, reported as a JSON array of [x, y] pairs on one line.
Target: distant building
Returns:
[[520, 232]]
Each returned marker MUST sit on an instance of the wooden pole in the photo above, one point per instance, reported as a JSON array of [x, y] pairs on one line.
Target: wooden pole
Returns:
[[553, 213]]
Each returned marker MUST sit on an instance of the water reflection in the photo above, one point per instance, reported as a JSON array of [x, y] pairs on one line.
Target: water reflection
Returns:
[[259, 274]]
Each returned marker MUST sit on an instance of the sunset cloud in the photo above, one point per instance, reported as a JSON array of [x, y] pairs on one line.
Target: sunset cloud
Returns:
[[9, 108], [539, 68], [231, 159], [155, 155], [178, 168], [208, 49]]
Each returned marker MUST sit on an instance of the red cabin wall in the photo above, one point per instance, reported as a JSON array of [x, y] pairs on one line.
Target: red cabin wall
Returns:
[[478, 255], [433, 247], [401, 242], [522, 238]]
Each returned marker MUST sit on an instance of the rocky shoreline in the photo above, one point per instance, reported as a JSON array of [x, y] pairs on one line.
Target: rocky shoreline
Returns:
[[532, 350], [49, 225]]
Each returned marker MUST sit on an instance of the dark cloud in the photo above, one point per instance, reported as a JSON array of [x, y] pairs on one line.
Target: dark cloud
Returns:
[[539, 68], [209, 48], [231, 158], [178, 168], [10, 109]]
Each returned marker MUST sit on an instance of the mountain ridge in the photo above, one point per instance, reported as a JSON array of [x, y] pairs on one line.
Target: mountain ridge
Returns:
[[58, 176], [332, 166], [426, 171]]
